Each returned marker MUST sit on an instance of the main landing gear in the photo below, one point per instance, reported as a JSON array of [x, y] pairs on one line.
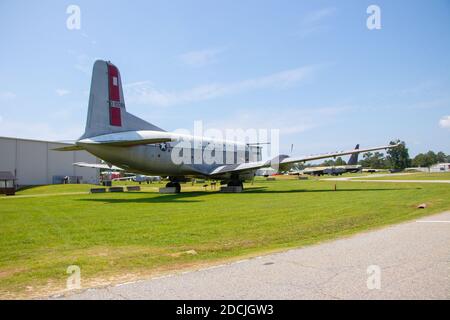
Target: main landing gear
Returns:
[[175, 185], [235, 183]]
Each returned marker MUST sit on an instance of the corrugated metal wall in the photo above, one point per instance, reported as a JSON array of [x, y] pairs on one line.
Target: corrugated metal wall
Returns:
[[34, 162]]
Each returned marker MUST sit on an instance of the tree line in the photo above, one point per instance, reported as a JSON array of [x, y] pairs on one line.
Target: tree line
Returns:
[[396, 158]]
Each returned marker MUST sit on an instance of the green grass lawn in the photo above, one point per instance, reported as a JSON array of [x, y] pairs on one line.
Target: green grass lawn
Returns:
[[79, 188], [414, 176], [55, 188], [116, 237]]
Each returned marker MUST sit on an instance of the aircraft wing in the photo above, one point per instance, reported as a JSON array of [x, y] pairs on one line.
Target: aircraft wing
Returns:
[[333, 154], [285, 161], [238, 168], [97, 166]]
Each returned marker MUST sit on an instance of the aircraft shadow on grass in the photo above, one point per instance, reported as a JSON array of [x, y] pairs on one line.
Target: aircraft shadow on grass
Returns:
[[189, 197]]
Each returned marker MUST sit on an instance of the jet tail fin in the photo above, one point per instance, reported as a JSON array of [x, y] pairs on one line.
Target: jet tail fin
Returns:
[[106, 111], [354, 157]]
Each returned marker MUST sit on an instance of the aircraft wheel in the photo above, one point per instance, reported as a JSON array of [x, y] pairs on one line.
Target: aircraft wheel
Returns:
[[175, 185], [235, 184]]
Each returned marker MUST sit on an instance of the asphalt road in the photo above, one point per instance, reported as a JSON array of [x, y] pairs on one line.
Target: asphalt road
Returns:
[[405, 261]]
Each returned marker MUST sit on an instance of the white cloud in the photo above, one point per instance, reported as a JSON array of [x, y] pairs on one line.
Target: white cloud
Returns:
[[83, 62], [62, 92], [318, 15], [85, 35], [288, 120], [7, 95], [445, 122], [307, 31], [144, 93], [313, 21], [200, 58]]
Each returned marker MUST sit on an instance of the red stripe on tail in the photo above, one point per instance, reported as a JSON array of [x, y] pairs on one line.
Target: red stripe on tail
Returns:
[[113, 75], [115, 118], [115, 113]]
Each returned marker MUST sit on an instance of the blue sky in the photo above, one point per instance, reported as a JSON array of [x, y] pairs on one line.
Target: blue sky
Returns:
[[309, 68]]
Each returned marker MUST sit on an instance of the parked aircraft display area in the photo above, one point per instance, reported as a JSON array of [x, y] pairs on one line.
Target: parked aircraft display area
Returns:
[[232, 157]]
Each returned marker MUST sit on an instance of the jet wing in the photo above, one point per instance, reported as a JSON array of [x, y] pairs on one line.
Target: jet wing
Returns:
[[97, 166], [284, 161]]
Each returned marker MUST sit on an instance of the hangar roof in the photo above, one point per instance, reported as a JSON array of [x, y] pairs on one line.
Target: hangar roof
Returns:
[[35, 140]]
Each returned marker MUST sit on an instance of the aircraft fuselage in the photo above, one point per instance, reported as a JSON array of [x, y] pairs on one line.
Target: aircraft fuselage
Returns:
[[198, 156]]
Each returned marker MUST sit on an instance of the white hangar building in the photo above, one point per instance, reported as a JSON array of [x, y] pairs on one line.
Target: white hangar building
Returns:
[[33, 162], [440, 167]]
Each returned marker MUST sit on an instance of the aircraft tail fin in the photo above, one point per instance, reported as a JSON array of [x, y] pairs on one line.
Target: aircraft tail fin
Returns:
[[354, 157], [106, 111]]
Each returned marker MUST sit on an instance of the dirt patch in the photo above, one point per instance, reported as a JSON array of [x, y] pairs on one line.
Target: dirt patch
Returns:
[[10, 272]]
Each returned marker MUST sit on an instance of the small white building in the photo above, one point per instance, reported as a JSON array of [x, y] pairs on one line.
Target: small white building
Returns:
[[440, 167], [34, 162]]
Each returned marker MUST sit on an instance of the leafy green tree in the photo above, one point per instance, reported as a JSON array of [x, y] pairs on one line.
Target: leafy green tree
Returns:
[[428, 159], [339, 162], [365, 161], [441, 157], [328, 163], [420, 160], [378, 161], [373, 160], [432, 158], [331, 163], [398, 158]]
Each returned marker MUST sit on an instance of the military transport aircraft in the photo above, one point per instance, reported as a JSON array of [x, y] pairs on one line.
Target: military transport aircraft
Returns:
[[126, 141]]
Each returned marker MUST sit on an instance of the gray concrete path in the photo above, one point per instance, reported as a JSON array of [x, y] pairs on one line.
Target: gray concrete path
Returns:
[[390, 175], [396, 181]]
